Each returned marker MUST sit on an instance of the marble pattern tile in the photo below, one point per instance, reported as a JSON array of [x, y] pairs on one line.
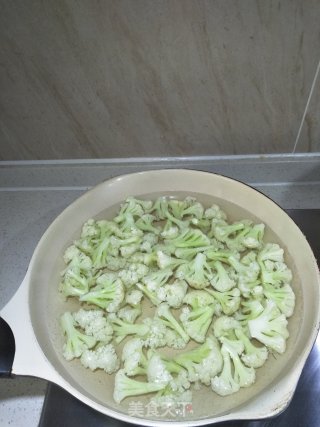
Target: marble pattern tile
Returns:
[[144, 78]]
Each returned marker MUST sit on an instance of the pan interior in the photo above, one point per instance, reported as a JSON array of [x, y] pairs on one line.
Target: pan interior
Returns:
[[47, 306]]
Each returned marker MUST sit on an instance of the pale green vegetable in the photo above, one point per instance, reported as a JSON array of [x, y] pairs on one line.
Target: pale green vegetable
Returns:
[[172, 274]]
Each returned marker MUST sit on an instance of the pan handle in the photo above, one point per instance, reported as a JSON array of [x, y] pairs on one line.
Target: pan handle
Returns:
[[7, 349], [28, 357]]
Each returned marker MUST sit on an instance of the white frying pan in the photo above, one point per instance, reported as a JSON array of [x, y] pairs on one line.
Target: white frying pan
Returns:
[[34, 311]]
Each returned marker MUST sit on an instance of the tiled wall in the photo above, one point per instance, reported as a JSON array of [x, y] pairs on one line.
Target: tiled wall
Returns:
[[92, 79]]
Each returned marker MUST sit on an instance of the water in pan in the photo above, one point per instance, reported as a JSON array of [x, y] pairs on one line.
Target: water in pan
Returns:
[[98, 386]]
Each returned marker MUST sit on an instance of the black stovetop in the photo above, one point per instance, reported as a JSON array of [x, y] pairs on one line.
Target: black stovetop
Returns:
[[61, 409]]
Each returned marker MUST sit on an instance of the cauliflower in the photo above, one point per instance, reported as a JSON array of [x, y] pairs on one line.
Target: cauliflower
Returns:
[[253, 356], [125, 387], [134, 297], [74, 283], [196, 321], [104, 357], [157, 372], [134, 360], [173, 293], [164, 313], [175, 274], [74, 257], [133, 273], [222, 281], [107, 294], [229, 300], [283, 296], [230, 380], [197, 273], [270, 328], [95, 324], [77, 342], [129, 314]]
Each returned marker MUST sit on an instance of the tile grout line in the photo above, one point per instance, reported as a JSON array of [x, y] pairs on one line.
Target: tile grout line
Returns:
[[306, 107]]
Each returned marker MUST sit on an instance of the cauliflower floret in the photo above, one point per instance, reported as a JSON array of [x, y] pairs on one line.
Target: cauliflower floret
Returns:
[[133, 274], [134, 297], [104, 357], [173, 293], [95, 324], [129, 314], [157, 372]]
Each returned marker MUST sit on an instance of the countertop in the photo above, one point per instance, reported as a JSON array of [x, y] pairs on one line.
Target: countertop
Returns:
[[32, 194]]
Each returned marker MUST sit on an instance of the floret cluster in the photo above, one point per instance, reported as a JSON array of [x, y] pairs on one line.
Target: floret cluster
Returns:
[[212, 283]]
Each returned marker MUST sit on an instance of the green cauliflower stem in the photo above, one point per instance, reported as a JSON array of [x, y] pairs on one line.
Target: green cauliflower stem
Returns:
[[224, 384], [189, 253], [164, 313], [192, 359], [196, 272], [161, 208], [151, 295], [219, 254], [166, 261], [278, 275], [190, 238], [246, 273], [131, 208], [284, 297], [107, 294], [223, 231], [125, 387], [145, 223], [270, 328], [229, 300], [242, 375], [221, 281], [253, 356], [180, 209], [196, 321], [123, 328], [76, 342], [100, 253], [271, 252], [74, 283]]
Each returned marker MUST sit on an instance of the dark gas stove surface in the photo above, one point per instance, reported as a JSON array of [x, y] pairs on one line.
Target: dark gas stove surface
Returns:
[[61, 409]]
